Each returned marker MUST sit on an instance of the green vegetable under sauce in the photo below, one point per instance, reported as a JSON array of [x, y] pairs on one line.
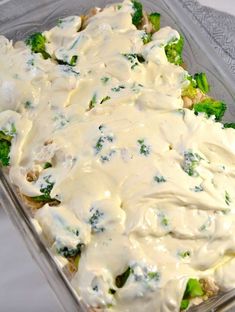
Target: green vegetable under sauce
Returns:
[[37, 43], [105, 99], [174, 51], [146, 38], [45, 190], [95, 219], [28, 104], [191, 161], [184, 254], [153, 276], [164, 221], [93, 102], [227, 198], [68, 252], [154, 19], [47, 165], [118, 88], [144, 149], [112, 291], [199, 81], [193, 289], [191, 90], [77, 259], [229, 125], [135, 59], [104, 79], [122, 278], [197, 189], [106, 158], [72, 62], [210, 107], [159, 179], [137, 16], [101, 141], [5, 147]]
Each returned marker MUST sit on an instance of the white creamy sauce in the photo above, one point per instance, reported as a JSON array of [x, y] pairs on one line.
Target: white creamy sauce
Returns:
[[120, 168]]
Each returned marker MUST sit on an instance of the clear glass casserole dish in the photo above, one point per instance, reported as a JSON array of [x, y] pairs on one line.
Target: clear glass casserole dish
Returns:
[[17, 20]]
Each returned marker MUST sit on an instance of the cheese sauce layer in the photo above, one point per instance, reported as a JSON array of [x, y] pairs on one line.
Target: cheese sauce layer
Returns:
[[142, 184]]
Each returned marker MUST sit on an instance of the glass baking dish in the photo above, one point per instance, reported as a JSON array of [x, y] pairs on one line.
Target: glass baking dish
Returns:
[[17, 20]]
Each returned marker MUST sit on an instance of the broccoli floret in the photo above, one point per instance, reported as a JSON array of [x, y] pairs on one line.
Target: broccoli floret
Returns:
[[137, 16], [122, 278], [191, 161], [45, 190], [210, 107], [174, 51], [190, 91], [154, 19], [37, 42], [146, 38], [101, 141], [70, 252], [202, 82], [184, 304], [95, 219], [229, 125], [5, 147], [198, 81], [193, 290]]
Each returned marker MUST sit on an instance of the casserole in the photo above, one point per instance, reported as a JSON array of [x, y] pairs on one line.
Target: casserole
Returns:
[[140, 143]]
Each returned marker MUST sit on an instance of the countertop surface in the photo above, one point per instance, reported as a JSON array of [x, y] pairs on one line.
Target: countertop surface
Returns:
[[23, 287]]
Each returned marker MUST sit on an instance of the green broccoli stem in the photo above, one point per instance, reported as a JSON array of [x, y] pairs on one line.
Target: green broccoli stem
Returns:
[[154, 19], [122, 278], [174, 51], [193, 289], [202, 82]]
